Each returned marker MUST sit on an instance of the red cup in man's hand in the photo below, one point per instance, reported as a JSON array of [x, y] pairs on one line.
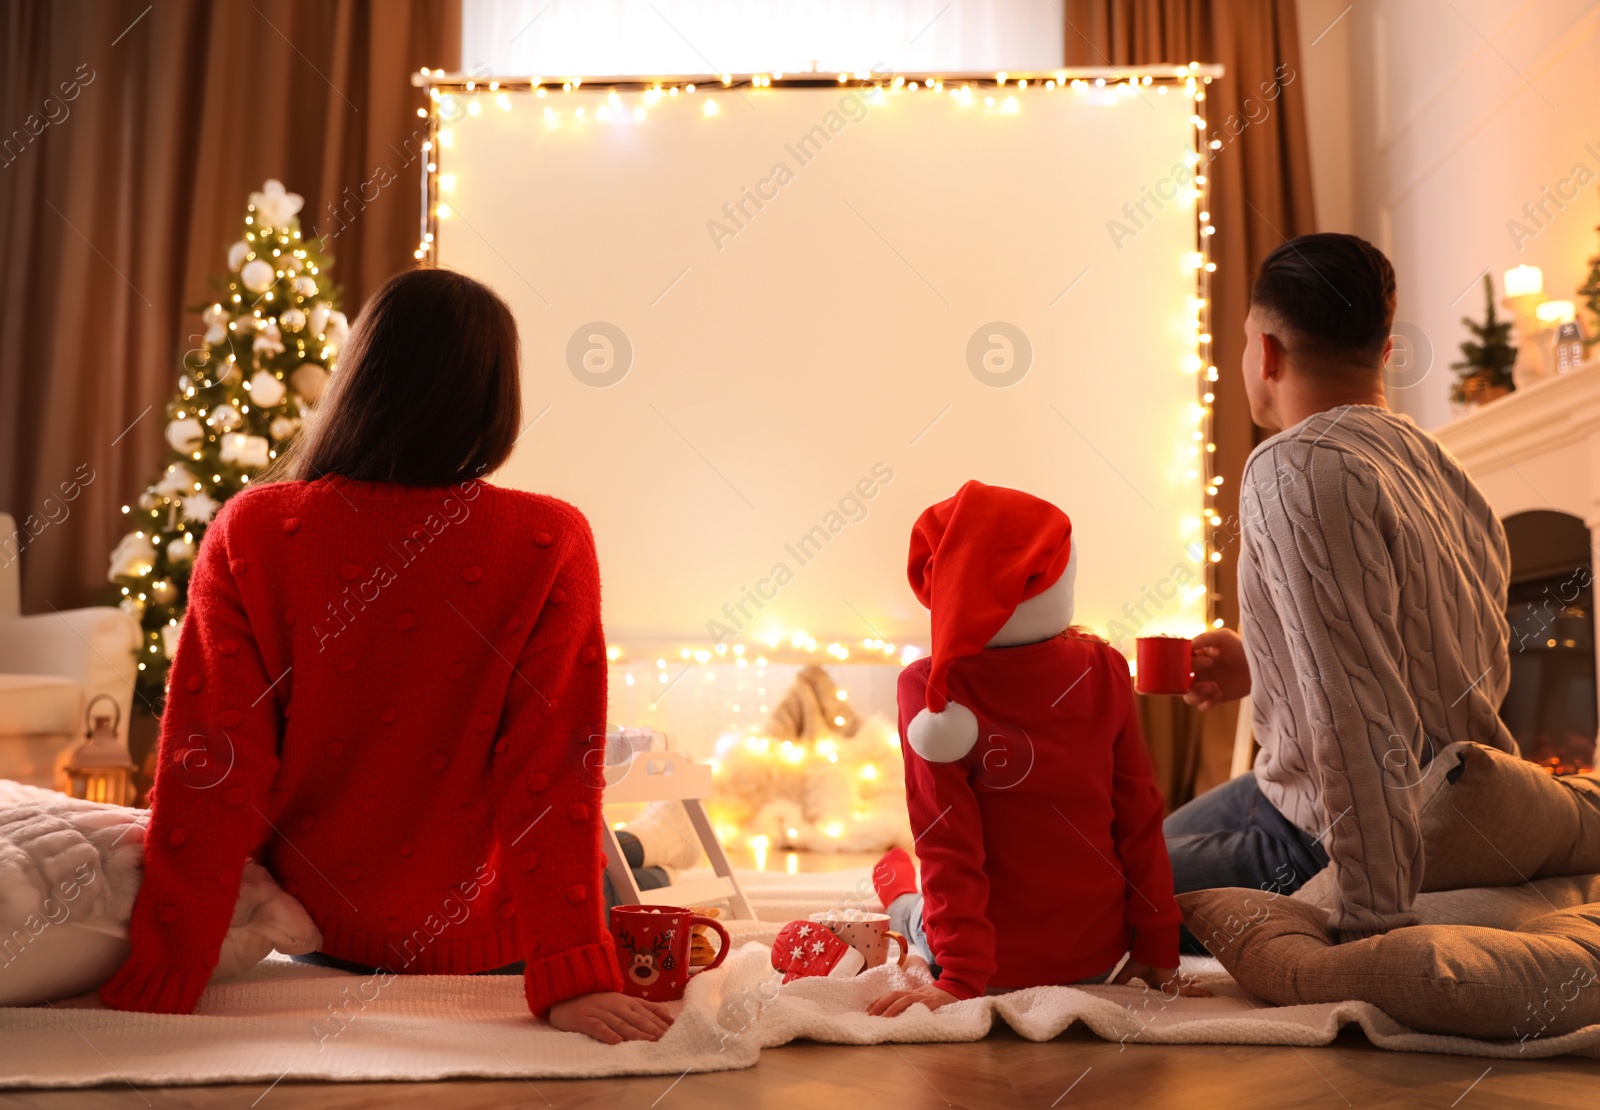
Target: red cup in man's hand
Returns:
[[1164, 665]]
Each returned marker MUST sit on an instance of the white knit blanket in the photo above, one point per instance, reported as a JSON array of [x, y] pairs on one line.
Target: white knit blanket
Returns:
[[294, 1022], [287, 1021]]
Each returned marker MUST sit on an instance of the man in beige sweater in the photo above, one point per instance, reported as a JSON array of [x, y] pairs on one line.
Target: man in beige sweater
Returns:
[[1372, 596]]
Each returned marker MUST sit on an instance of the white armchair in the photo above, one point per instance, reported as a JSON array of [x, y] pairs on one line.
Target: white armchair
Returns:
[[51, 665]]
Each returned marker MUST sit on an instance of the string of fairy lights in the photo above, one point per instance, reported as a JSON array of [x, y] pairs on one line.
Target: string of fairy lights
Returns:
[[454, 100]]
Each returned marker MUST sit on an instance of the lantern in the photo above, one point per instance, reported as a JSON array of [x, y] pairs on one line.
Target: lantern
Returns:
[[101, 769]]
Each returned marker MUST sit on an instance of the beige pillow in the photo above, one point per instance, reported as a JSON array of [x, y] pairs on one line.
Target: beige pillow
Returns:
[[1461, 980], [1494, 907], [1496, 820]]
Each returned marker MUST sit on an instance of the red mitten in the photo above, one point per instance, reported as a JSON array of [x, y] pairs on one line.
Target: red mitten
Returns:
[[805, 949]]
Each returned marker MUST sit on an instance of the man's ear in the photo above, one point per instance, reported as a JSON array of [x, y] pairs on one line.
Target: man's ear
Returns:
[[1272, 357]]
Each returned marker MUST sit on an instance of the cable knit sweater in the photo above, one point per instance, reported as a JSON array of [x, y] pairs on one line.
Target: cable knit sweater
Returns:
[[394, 698], [1372, 589]]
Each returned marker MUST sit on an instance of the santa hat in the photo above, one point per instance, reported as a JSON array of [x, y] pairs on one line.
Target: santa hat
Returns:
[[974, 559], [804, 949]]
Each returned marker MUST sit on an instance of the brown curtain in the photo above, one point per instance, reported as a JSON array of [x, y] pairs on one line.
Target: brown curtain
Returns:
[[136, 132], [1260, 196]]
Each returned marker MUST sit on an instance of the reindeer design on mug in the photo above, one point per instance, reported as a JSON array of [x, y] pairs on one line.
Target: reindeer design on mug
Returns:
[[652, 948], [648, 963]]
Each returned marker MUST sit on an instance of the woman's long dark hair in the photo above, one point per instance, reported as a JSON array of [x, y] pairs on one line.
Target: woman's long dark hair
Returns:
[[427, 391]]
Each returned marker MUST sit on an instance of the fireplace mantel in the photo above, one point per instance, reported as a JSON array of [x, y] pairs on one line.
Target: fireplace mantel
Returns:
[[1538, 448]]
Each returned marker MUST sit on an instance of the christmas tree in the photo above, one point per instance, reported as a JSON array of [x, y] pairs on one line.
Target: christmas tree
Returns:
[[271, 340], [1486, 359], [1590, 292]]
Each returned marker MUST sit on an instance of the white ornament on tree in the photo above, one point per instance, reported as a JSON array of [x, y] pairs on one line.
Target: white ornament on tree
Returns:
[[245, 450], [134, 557], [292, 318], [169, 637], [226, 417], [305, 287], [265, 389], [177, 479], [309, 380], [180, 550], [269, 341], [258, 276], [216, 320], [200, 507], [185, 435], [338, 332], [284, 427], [237, 254], [320, 313], [275, 206]]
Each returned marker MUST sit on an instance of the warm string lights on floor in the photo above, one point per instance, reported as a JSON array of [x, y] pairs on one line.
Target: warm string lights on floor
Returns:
[[454, 100]]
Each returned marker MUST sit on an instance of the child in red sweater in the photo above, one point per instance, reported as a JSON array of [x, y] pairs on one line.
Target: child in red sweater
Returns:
[[390, 689], [1038, 819]]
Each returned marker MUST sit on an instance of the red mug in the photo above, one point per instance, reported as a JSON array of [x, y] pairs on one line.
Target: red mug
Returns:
[[1165, 665], [652, 945]]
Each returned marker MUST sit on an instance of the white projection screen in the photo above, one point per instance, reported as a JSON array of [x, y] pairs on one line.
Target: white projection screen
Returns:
[[765, 326]]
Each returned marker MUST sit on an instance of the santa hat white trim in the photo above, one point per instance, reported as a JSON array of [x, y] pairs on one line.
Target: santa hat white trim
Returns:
[[851, 963], [943, 737]]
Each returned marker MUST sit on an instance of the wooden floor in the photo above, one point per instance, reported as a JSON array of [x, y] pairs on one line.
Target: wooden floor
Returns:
[[1076, 1070]]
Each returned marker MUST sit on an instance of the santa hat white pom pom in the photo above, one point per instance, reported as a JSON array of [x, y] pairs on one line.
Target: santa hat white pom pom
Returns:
[[943, 737]]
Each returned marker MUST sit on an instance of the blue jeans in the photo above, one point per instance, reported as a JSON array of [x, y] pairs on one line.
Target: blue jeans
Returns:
[[1233, 836], [905, 918]]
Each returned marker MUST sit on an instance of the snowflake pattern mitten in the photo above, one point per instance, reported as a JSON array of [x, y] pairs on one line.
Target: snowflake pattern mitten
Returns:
[[804, 949]]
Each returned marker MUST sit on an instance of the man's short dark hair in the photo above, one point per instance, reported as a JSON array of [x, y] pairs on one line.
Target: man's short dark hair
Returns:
[[1334, 293]]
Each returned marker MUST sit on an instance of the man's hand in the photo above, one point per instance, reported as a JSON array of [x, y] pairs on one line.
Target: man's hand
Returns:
[[898, 1002], [611, 1018], [1221, 672], [1167, 980]]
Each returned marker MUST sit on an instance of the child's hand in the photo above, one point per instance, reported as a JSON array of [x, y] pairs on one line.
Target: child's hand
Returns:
[[1167, 980], [898, 1002], [611, 1018], [1221, 671]]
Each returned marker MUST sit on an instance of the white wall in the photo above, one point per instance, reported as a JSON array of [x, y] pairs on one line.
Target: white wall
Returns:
[[1432, 125], [612, 37]]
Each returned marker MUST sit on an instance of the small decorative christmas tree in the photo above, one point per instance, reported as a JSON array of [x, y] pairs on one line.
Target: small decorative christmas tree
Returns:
[[271, 340], [1484, 371], [1590, 292]]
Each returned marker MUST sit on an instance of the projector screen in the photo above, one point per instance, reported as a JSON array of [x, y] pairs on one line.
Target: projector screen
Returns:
[[764, 327]]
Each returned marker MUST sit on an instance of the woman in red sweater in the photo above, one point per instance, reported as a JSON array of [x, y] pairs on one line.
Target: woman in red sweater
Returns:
[[390, 689], [1034, 801]]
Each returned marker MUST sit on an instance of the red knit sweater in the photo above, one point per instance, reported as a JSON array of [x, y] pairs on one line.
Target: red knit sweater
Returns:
[[1042, 854], [394, 698]]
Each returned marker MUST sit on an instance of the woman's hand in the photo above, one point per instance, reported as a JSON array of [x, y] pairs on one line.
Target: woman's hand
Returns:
[[1221, 672], [1167, 980], [611, 1018], [898, 1002]]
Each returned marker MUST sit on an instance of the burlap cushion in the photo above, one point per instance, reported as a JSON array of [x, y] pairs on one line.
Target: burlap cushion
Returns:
[[1496, 819], [1462, 980], [1495, 907]]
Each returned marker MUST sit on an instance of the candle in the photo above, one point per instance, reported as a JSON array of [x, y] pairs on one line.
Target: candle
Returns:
[[1555, 312], [1524, 281]]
